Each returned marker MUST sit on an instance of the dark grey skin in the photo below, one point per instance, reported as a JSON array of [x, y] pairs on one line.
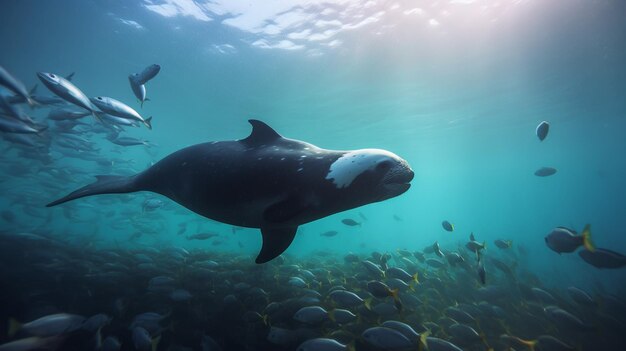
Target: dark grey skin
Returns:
[[264, 181]]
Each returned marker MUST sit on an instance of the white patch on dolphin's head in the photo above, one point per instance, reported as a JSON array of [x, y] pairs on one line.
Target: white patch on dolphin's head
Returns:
[[394, 170]]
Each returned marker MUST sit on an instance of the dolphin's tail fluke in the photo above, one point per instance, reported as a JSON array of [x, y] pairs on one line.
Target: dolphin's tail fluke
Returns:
[[106, 184]]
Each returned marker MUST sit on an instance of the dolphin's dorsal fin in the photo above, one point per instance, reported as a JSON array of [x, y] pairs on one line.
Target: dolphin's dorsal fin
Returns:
[[261, 134]]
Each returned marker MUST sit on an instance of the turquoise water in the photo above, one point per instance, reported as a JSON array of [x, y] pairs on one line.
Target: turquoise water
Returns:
[[455, 88], [459, 101]]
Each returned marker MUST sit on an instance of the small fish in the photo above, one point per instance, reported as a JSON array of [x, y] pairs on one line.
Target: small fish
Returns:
[[350, 222], [454, 258], [603, 258], [129, 141], [481, 272], [322, 344], [138, 89], [437, 250], [542, 130], [13, 125], [148, 73], [475, 246], [447, 226], [32, 343], [346, 298], [386, 338], [341, 316], [436, 344], [50, 325], [435, 263], [63, 114], [14, 85], [119, 109], [503, 244], [111, 343], [404, 329], [330, 233], [545, 171], [179, 295], [580, 296], [566, 240], [67, 91], [311, 315]]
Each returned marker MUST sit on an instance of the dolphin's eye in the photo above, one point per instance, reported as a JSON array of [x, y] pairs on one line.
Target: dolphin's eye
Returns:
[[383, 165], [99, 98], [52, 75]]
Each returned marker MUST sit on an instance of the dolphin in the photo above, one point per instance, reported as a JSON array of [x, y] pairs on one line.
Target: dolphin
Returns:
[[265, 181]]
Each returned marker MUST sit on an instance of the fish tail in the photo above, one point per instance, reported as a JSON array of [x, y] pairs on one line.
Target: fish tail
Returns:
[[31, 102], [14, 327], [394, 293], [368, 303], [423, 344], [587, 239], [105, 184], [148, 122], [155, 342], [415, 280], [331, 316], [97, 115]]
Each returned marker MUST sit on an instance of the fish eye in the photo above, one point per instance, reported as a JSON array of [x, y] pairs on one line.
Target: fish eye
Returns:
[[52, 75], [99, 98]]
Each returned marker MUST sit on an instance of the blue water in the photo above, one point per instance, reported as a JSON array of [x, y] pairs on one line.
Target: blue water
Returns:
[[454, 87]]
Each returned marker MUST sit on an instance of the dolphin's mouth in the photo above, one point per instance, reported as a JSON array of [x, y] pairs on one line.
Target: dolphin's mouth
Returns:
[[403, 177], [398, 182]]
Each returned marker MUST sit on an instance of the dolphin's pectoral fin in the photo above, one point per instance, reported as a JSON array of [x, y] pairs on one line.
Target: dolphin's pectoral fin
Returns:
[[285, 210], [275, 242]]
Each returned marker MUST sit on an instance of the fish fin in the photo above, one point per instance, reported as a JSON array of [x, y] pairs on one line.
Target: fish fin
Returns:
[[423, 344], [155, 343], [14, 327], [368, 303], [261, 134], [415, 276], [394, 293], [105, 184], [587, 239], [284, 210], [331, 316], [70, 76], [350, 347], [98, 338], [31, 102], [32, 90], [275, 242], [452, 226], [148, 122]]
